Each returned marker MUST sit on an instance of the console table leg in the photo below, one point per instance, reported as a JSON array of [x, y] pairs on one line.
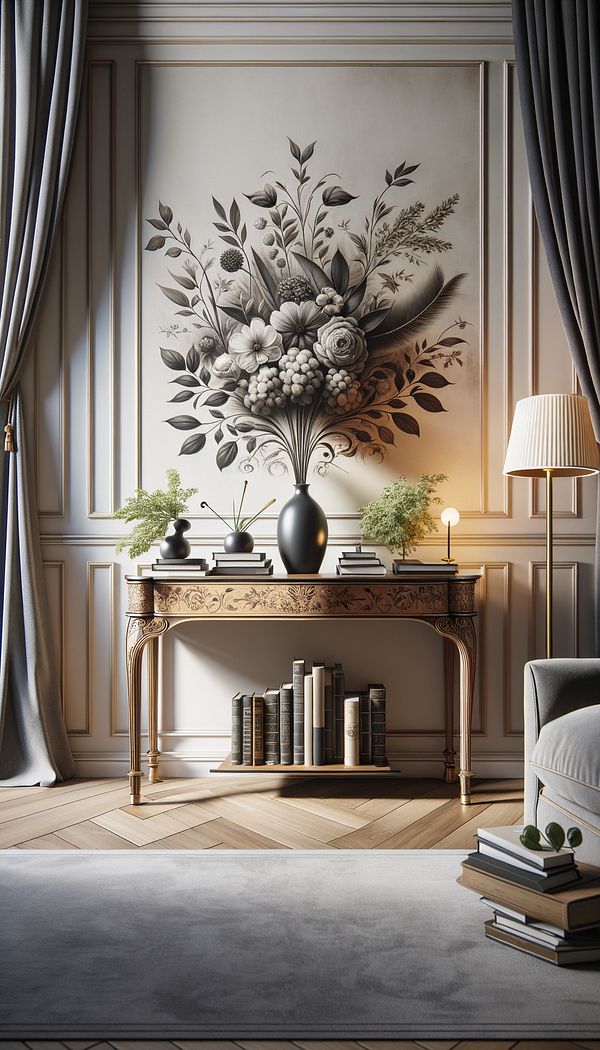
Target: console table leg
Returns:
[[449, 752], [153, 752], [460, 630], [140, 630]]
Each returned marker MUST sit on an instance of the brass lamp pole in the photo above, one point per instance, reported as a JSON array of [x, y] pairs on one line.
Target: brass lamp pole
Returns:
[[552, 436]]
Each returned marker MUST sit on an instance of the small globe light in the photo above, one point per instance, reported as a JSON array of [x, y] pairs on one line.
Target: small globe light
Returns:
[[450, 516]]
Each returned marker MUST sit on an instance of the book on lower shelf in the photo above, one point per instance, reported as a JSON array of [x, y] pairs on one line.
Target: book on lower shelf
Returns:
[[272, 718], [543, 902], [309, 722]]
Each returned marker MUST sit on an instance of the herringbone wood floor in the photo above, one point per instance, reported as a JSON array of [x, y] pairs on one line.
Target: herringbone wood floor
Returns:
[[254, 812], [259, 812]]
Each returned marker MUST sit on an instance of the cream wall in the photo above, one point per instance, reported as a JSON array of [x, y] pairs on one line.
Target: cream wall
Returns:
[[84, 385]]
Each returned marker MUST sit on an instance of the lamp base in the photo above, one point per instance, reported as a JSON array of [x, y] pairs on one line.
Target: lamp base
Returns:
[[449, 560]]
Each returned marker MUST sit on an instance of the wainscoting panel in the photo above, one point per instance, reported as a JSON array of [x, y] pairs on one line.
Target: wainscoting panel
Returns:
[[93, 372]]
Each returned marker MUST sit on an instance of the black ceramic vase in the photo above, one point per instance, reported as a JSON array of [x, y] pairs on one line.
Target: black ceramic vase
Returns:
[[238, 543], [302, 533], [176, 545]]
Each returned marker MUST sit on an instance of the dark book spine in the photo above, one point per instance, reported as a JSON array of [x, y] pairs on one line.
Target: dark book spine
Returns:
[[258, 730], [339, 687], [298, 687], [366, 756], [247, 731], [285, 724], [329, 729], [318, 714], [237, 736], [377, 698], [272, 727]]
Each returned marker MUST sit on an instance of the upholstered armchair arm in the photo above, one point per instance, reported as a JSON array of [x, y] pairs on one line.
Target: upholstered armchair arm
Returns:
[[553, 688]]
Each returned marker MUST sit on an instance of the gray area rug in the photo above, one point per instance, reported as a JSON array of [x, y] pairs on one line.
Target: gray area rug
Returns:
[[213, 945]]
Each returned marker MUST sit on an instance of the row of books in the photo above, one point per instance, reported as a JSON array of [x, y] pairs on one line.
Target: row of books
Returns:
[[366, 563], [311, 721], [223, 564], [542, 903], [256, 563]]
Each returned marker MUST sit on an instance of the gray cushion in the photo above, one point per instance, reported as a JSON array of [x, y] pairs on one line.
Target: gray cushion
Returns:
[[566, 757]]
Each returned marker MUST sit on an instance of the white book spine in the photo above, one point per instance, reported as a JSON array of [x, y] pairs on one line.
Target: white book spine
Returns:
[[308, 720], [352, 731]]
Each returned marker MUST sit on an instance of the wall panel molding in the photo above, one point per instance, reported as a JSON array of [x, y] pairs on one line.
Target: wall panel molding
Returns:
[[101, 290]]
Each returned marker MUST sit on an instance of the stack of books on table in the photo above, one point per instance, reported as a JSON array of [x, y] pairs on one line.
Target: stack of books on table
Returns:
[[408, 567], [542, 902], [311, 721], [179, 568], [360, 563], [254, 564]]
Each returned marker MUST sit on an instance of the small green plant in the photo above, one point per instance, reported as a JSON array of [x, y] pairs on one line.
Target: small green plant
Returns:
[[554, 835], [401, 516], [153, 512]]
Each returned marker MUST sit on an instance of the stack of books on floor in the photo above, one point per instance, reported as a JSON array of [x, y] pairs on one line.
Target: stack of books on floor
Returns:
[[179, 568], [311, 721], [543, 903], [402, 567], [360, 563], [254, 564]]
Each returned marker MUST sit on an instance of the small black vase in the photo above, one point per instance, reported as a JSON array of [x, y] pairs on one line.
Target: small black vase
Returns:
[[176, 545], [302, 533], [238, 543]]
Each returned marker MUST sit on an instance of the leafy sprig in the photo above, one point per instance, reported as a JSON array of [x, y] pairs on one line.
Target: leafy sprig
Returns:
[[153, 511]]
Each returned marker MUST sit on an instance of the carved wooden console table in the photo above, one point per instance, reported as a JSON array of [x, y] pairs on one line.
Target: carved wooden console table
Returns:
[[156, 606]]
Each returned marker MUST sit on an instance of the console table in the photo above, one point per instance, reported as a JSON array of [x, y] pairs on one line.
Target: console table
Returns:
[[156, 606]]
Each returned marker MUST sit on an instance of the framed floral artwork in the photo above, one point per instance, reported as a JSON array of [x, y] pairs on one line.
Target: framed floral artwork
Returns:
[[310, 252]]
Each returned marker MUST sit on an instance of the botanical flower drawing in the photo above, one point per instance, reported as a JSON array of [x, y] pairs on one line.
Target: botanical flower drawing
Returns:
[[306, 336]]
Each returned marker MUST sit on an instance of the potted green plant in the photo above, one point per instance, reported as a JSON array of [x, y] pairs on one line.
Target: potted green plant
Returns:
[[400, 517], [153, 512]]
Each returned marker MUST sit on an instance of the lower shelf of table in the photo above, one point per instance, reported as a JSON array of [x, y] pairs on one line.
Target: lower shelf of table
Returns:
[[312, 771]]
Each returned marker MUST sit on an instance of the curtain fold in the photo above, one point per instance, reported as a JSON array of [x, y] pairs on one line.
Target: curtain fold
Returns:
[[557, 48], [41, 61]]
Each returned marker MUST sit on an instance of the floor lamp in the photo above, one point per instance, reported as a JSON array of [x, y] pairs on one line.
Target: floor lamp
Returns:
[[551, 437]]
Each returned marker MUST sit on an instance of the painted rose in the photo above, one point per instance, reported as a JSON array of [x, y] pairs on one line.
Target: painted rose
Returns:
[[298, 323], [342, 343], [255, 344], [224, 369]]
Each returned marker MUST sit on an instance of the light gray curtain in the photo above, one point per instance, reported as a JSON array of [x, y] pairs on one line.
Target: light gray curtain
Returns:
[[41, 60], [557, 46]]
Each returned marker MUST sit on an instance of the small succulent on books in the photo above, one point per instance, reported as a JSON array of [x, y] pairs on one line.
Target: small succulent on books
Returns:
[[554, 835], [401, 516], [153, 511]]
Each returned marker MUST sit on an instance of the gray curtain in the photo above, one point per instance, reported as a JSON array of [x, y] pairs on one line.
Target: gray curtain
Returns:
[[557, 46], [41, 60]]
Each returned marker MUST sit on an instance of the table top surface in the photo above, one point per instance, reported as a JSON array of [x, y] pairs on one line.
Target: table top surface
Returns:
[[311, 579]]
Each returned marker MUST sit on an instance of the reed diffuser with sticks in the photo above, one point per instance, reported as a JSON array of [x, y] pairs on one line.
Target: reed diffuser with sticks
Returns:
[[239, 540]]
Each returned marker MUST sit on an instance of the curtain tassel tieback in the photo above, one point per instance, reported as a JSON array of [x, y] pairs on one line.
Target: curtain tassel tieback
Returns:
[[9, 430]]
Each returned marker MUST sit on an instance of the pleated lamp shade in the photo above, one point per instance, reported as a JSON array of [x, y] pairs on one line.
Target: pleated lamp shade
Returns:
[[552, 431]]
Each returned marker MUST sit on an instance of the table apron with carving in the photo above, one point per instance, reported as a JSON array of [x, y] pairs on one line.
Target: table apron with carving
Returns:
[[156, 606]]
